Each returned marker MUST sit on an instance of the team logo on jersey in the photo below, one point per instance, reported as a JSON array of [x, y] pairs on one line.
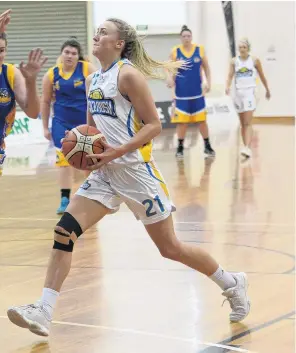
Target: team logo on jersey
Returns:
[[5, 97], [98, 104], [56, 86], [96, 94], [196, 59], [244, 72], [78, 83]]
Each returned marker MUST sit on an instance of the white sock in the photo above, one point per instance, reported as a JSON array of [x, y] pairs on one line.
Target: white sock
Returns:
[[49, 299], [223, 278]]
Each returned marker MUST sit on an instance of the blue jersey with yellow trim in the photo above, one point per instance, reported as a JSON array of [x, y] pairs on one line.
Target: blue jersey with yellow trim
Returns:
[[189, 81], [7, 101], [70, 101]]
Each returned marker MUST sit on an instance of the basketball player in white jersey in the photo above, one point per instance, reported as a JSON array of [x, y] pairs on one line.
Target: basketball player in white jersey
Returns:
[[120, 105], [245, 68]]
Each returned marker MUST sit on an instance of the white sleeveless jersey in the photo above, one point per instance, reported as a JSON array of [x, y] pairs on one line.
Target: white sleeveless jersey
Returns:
[[114, 114], [245, 73]]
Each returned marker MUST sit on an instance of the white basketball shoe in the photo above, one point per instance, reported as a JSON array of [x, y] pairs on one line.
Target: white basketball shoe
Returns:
[[32, 317], [246, 152], [238, 298]]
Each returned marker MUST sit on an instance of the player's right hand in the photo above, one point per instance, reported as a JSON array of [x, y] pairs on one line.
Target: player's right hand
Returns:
[[47, 134], [170, 83], [4, 20], [227, 91], [36, 61], [66, 133]]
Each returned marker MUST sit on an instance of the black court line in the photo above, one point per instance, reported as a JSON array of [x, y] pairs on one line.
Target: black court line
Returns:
[[257, 328], [227, 341]]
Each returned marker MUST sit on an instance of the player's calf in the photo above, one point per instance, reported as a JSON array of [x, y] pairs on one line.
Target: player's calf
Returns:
[[37, 317]]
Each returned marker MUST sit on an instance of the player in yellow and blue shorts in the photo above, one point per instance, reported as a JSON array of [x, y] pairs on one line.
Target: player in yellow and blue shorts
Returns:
[[190, 106], [66, 83]]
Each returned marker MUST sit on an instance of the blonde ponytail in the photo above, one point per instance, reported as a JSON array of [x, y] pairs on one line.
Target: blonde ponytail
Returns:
[[136, 53]]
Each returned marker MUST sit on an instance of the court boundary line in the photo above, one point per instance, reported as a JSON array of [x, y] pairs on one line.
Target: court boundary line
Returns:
[[258, 327], [147, 333], [175, 222]]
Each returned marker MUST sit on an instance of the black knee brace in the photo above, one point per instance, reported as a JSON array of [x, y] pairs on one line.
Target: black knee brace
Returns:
[[66, 233]]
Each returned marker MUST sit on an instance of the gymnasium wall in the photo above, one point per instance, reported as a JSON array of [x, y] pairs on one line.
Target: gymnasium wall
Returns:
[[31, 28], [269, 25], [152, 13], [206, 19], [164, 25]]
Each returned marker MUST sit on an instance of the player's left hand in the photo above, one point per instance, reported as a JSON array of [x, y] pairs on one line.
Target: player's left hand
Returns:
[[205, 89], [268, 95], [107, 156], [36, 61]]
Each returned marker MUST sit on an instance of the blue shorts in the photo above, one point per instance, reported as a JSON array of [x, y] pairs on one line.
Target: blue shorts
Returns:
[[189, 111], [58, 130]]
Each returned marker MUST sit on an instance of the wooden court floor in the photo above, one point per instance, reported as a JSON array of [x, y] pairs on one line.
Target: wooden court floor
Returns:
[[121, 296]]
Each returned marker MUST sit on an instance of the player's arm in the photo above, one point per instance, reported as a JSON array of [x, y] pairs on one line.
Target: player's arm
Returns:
[[47, 93], [90, 120], [134, 85], [259, 68], [25, 87], [26, 94], [230, 76], [206, 68]]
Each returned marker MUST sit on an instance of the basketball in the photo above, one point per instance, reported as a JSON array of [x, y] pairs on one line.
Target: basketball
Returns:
[[79, 142]]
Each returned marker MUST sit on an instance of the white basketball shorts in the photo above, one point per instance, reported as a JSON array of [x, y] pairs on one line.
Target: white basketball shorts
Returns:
[[140, 186], [245, 100]]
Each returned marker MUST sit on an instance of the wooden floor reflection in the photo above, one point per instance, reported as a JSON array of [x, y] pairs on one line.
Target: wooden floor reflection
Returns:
[[121, 296]]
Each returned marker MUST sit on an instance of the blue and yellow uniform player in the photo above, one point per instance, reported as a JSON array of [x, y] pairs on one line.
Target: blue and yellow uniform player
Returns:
[[189, 100], [7, 105], [64, 90], [17, 86]]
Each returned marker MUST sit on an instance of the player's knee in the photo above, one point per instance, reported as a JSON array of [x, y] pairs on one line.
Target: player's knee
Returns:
[[246, 124], [171, 250], [66, 233]]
